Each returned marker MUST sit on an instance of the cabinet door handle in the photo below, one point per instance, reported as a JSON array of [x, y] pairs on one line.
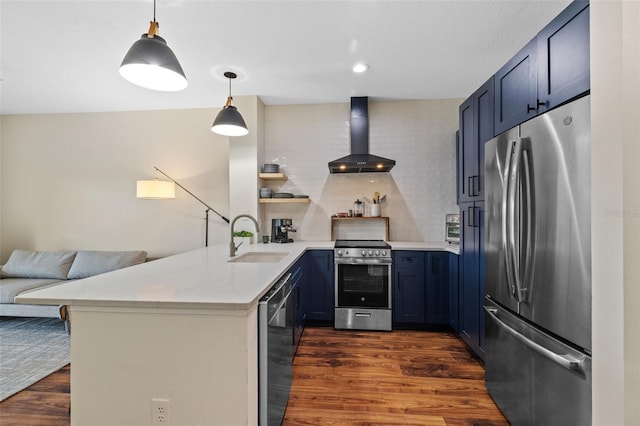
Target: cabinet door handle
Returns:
[[537, 105], [470, 185]]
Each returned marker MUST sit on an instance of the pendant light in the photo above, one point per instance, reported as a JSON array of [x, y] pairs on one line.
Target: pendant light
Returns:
[[229, 122], [150, 63]]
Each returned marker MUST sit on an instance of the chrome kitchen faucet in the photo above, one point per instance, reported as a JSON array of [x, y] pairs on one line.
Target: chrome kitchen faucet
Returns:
[[232, 246]]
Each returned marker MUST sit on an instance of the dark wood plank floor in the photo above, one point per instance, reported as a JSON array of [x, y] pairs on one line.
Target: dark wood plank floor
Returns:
[[43, 403], [387, 378], [340, 378]]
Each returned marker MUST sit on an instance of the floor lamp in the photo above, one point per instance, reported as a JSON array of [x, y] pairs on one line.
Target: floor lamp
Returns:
[[158, 189]]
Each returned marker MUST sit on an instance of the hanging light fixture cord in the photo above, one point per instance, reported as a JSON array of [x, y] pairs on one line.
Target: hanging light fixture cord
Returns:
[[230, 76]]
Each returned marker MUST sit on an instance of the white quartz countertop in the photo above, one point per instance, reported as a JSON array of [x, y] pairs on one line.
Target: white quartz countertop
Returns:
[[425, 246], [198, 279]]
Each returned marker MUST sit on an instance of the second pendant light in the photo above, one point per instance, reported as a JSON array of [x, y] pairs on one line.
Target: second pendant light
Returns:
[[229, 122]]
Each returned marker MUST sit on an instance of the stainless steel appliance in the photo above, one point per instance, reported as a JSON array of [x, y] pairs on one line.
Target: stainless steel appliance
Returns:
[[362, 285], [280, 229], [538, 268], [275, 352], [452, 228]]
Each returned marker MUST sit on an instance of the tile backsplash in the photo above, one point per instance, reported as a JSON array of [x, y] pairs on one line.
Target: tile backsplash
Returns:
[[420, 189]]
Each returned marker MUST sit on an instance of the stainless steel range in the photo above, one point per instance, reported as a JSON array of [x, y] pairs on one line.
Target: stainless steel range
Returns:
[[362, 285]]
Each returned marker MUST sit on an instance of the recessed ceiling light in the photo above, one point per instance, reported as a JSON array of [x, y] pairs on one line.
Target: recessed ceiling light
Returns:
[[360, 68]]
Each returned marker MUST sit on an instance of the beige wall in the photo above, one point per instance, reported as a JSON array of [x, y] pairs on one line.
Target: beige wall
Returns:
[[68, 181], [615, 89], [420, 189]]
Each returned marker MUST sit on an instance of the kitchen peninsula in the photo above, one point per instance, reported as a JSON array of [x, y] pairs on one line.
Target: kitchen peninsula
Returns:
[[181, 328]]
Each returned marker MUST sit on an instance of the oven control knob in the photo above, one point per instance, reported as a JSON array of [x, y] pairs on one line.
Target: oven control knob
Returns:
[[370, 252], [364, 252], [384, 252], [377, 252], [339, 252]]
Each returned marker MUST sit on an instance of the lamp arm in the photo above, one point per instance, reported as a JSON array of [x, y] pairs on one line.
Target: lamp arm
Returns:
[[192, 194]]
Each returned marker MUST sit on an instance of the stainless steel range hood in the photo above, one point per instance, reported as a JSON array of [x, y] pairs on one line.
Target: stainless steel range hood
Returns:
[[360, 161]]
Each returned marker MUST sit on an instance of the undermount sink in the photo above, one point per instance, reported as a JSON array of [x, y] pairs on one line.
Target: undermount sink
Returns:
[[260, 257]]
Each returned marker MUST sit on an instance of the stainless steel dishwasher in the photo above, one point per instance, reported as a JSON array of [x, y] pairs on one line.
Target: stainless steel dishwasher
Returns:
[[275, 352]]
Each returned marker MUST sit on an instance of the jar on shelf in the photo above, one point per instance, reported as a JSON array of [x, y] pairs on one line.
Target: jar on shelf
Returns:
[[358, 208]]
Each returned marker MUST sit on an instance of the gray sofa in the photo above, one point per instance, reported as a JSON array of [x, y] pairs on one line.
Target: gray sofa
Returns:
[[27, 271]]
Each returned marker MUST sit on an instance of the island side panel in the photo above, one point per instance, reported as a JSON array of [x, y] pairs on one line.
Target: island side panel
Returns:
[[204, 362]]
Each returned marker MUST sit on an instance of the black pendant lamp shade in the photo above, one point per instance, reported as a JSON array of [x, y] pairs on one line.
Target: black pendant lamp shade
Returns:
[[151, 64], [229, 122]]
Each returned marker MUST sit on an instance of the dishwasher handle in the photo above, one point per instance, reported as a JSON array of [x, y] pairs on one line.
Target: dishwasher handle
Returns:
[[277, 287]]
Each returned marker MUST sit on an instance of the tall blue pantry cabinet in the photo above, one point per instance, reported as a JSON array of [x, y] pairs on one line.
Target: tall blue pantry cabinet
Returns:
[[550, 70], [476, 127]]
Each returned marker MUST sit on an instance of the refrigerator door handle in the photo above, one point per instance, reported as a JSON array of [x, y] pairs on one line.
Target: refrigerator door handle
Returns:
[[506, 220], [514, 213], [566, 361], [527, 231]]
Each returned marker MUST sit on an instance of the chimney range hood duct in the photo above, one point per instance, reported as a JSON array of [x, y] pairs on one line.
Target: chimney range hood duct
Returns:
[[360, 161]]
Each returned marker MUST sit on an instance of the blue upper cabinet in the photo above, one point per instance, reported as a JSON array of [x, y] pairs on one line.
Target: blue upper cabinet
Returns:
[[563, 56], [550, 70], [476, 127], [516, 89]]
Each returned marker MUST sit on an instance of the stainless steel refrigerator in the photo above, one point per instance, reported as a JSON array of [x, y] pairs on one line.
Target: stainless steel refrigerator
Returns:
[[538, 268]]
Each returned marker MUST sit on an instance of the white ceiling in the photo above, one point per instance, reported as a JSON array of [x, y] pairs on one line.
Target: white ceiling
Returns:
[[63, 56]]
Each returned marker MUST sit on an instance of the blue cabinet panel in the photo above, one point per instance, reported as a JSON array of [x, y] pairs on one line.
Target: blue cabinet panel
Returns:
[[437, 281], [516, 89], [454, 322], [476, 127], [319, 294], [408, 296], [471, 269], [563, 56]]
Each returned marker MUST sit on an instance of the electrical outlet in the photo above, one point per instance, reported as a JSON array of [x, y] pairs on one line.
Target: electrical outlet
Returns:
[[160, 413]]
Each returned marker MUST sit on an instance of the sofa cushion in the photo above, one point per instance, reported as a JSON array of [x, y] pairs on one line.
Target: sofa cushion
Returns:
[[38, 264], [11, 287], [89, 263]]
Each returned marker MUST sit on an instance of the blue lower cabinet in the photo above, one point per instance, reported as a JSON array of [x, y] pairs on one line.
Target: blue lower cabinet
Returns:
[[437, 281], [319, 293], [454, 293], [421, 288], [408, 295]]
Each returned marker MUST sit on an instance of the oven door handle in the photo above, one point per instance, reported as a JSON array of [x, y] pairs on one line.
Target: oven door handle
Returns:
[[363, 261]]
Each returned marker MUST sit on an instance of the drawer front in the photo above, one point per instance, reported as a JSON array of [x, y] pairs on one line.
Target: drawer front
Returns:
[[407, 258]]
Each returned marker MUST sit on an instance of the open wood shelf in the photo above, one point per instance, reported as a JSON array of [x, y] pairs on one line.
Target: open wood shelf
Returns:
[[272, 176], [283, 200]]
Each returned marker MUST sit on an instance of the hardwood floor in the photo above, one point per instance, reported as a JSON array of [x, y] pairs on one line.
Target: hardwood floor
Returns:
[[340, 378], [45, 403], [381, 378]]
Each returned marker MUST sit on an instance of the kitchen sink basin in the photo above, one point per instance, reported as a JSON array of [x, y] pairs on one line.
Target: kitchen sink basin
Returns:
[[260, 257]]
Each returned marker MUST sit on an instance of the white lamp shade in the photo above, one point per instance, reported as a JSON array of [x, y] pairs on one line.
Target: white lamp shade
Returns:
[[155, 189]]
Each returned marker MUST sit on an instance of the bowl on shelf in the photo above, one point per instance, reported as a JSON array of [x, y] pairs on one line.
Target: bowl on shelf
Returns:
[[266, 192], [271, 168]]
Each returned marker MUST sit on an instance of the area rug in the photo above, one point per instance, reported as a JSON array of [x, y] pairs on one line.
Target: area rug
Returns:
[[30, 349]]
